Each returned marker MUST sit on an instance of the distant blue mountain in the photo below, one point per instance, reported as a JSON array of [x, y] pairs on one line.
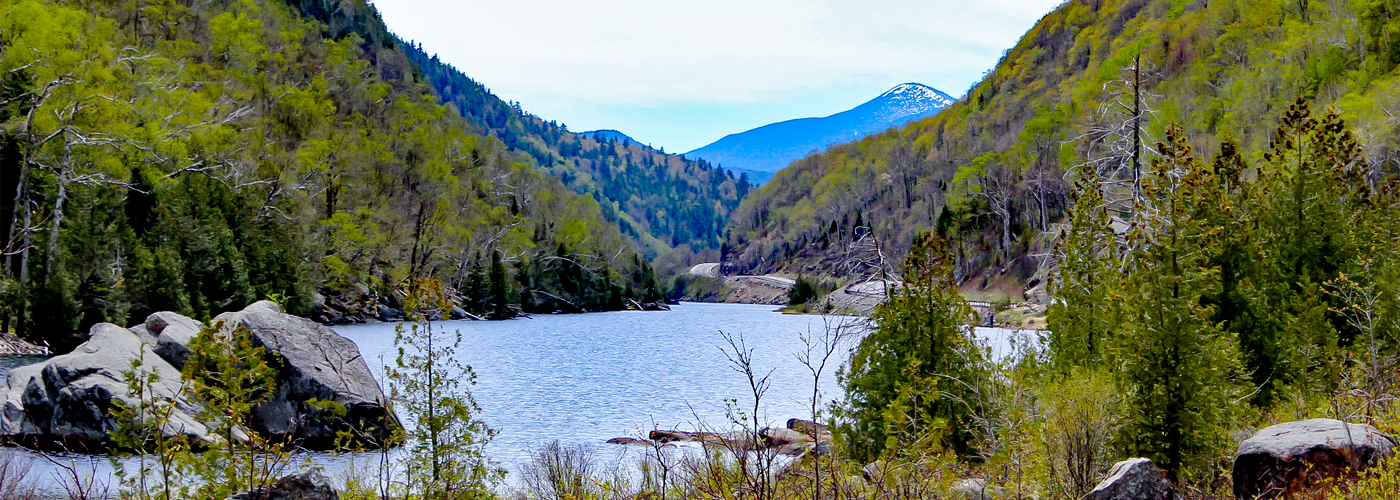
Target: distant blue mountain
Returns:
[[608, 134], [763, 151]]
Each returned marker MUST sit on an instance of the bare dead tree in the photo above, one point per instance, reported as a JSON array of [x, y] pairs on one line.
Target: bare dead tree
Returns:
[[1116, 141], [756, 471], [819, 349]]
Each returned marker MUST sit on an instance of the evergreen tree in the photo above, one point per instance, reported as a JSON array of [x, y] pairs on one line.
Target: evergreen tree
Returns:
[[498, 295], [908, 379], [1177, 368], [1079, 324]]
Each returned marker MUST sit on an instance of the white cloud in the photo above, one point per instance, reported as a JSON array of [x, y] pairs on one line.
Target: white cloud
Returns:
[[602, 64]]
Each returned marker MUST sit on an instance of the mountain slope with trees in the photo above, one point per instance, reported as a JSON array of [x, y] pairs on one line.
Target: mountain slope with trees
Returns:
[[158, 156], [1091, 87], [662, 201]]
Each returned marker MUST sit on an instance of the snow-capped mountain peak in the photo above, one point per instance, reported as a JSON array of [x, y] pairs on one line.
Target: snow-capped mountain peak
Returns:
[[767, 149], [910, 99]]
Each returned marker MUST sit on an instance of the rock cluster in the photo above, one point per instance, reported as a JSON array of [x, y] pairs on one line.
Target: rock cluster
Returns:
[[356, 303], [69, 400], [1288, 457]]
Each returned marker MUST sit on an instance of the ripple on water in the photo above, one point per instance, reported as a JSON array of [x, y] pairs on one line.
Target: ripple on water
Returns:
[[583, 379]]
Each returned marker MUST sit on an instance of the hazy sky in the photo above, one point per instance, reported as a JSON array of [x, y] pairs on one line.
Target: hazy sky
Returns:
[[682, 74]]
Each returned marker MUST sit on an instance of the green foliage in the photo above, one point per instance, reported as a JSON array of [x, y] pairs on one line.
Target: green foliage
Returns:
[[229, 377], [1178, 369], [445, 440], [665, 203], [910, 377], [802, 292], [1219, 68], [226, 376], [144, 430], [1078, 319], [195, 158]]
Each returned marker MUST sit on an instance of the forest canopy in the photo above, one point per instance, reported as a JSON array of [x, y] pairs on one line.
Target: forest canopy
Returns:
[[196, 158]]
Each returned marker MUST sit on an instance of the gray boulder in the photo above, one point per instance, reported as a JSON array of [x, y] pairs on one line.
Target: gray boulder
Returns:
[[313, 363], [69, 399], [309, 484], [144, 333], [1281, 458], [173, 335], [977, 489], [1134, 479]]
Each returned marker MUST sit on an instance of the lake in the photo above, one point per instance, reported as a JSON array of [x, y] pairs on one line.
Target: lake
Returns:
[[586, 378]]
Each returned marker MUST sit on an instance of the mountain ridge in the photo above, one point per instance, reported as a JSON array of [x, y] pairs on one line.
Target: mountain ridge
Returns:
[[764, 150], [993, 173]]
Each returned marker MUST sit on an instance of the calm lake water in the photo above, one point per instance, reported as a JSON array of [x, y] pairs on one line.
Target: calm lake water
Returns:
[[583, 379]]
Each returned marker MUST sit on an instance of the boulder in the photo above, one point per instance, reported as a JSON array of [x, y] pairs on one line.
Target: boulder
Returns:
[[386, 313], [173, 335], [807, 426], [144, 333], [1134, 479], [773, 436], [309, 484], [1283, 458], [68, 400], [313, 363], [458, 313], [976, 488]]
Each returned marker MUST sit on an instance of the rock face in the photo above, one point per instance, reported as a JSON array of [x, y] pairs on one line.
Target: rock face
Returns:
[[69, 399], [315, 363], [1287, 456], [309, 484], [173, 335], [1134, 479]]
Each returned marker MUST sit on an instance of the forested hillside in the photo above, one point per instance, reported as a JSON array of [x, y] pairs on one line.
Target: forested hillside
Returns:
[[195, 158], [662, 200], [1090, 89]]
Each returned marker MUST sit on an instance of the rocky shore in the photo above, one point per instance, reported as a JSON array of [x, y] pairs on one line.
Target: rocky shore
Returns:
[[67, 401], [357, 303]]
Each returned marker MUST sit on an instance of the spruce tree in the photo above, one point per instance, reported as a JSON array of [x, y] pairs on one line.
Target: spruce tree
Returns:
[[1176, 367], [498, 289], [1078, 321], [908, 380]]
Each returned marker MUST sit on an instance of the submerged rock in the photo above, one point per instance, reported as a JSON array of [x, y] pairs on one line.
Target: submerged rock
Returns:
[[630, 441], [1283, 458]]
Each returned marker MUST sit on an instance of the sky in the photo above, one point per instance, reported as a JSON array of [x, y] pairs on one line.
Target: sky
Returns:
[[682, 74]]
